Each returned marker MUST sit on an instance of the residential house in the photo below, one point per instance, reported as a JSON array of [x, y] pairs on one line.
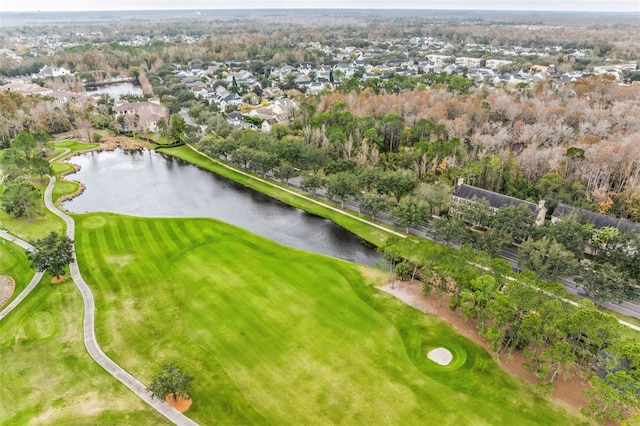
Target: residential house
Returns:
[[497, 63], [315, 88], [141, 116], [481, 74], [230, 99], [50, 71], [302, 81], [323, 72], [238, 121], [468, 62], [439, 59], [283, 107], [463, 193], [596, 219], [264, 113], [24, 88], [305, 68], [282, 72], [345, 69]]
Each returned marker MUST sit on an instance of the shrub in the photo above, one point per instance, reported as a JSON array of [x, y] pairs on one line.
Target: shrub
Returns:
[[404, 271]]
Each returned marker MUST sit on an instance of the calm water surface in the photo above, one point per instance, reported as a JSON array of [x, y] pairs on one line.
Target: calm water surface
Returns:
[[117, 90], [149, 184]]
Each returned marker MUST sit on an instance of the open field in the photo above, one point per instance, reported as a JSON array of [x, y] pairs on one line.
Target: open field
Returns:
[[46, 374], [275, 335]]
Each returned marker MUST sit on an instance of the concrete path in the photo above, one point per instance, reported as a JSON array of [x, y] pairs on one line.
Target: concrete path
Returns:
[[25, 245], [64, 152], [90, 341], [32, 284]]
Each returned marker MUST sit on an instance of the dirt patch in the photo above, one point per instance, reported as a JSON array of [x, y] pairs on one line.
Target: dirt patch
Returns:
[[181, 404], [58, 280], [7, 287], [567, 393]]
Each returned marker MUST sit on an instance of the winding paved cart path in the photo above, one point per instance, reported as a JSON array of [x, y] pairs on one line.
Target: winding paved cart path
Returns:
[[32, 284], [90, 341]]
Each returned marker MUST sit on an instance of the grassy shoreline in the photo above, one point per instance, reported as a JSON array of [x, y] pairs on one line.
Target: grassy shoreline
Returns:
[[364, 230]]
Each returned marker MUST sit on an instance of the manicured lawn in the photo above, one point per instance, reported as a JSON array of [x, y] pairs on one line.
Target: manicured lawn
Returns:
[[46, 374], [365, 231], [275, 335], [38, 226], [41, 225], [74, 146], [14, 262]]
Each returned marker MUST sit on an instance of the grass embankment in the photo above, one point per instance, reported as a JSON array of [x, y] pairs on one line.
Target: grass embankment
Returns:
[[275, 335], [365, 231], [46, 374]]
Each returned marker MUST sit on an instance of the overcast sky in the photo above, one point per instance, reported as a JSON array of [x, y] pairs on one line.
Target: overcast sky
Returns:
[[67, 5]]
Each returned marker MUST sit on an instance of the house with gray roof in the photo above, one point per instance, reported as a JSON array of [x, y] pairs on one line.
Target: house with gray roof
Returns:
[[596, 219], [463, 193]]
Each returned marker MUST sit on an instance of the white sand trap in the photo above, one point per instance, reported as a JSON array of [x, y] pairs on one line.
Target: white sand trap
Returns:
[[440, 356]]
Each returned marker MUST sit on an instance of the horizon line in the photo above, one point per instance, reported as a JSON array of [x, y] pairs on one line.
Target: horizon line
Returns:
[[633, 11]]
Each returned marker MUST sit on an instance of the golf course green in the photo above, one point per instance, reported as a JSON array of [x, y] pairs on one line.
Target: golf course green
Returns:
[[274, 335]]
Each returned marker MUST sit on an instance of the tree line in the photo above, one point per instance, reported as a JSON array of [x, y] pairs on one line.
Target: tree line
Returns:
[[521, 312]]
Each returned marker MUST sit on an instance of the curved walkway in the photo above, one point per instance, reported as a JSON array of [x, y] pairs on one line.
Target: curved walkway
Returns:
[[90, 341], [32, 284], [64, 152]]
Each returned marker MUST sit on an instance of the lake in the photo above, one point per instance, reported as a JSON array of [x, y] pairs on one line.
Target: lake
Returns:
[[150, 184], [117, 90]]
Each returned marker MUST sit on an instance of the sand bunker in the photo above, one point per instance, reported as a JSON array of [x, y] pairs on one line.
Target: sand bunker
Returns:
[[440, 356], [7, 286]]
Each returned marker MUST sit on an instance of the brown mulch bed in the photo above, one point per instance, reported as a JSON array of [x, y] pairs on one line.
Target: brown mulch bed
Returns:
[[181, 404], [7, 287], [58, 280], [566, 393]]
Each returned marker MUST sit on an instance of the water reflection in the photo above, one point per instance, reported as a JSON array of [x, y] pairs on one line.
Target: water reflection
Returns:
[[149, 184], [117, 90]]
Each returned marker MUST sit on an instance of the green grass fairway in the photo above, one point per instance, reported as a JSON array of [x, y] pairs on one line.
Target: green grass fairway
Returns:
[[278, 336], [74, 146], [46, 373]]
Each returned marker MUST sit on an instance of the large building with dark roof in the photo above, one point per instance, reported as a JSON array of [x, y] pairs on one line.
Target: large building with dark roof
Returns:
[[596, 219], [467, 193]]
